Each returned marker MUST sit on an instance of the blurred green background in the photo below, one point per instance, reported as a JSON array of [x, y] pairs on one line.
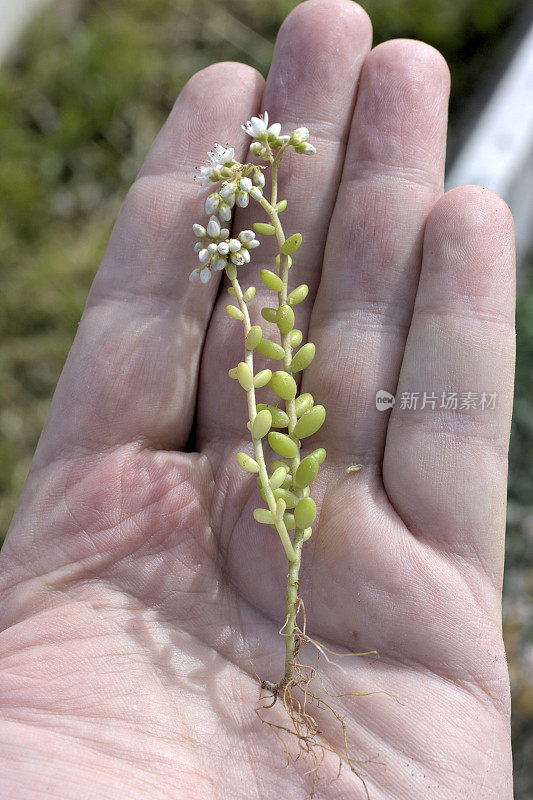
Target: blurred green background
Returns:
[[80, 104]]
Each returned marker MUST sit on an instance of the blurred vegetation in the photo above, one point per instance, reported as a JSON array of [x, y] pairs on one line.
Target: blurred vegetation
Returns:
[[79, 106]]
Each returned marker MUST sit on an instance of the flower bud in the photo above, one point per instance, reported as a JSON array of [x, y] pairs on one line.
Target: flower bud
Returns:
[[194, 276], [237, 258], [256, 193], [246, 184], [218, 264], [246, 236], [242, 199], [198, 230], [223, 248], [259, 178], [224, 211], [306, 149], [213, 227], [204, 255], [212, 203], [205, 274]]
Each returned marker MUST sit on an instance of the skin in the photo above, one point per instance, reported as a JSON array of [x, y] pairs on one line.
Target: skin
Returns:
[[137, 596]]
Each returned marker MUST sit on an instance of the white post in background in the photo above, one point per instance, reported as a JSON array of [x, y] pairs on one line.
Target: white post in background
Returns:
[[14, 16], [498, 153]]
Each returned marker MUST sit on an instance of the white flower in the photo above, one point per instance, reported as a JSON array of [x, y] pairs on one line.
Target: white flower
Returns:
[[256, 193], [224, 211], [222, 155], [237, 259], [212, 203], [300, 135], [284, 139], [205, 274], [234, 245], [207, 173], [257, 126], [245, 184], [243, 198], [213, 228], [198, 230]]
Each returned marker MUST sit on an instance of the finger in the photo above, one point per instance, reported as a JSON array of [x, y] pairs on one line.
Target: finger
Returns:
[[132, 370], [312, 82], [445, 470], [392, 176]]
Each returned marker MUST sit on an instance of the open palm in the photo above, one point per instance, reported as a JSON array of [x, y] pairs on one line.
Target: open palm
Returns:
[[139, 599]]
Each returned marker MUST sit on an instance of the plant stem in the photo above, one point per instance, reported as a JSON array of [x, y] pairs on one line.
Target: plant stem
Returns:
[[290, 405], [257, 443]]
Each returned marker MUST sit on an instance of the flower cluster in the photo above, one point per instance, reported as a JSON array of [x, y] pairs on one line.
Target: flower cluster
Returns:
[[236, 192], [235, 184], [268, 138], [216, 249]]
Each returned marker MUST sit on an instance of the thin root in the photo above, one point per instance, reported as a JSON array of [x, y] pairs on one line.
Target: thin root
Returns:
[[298, 701]]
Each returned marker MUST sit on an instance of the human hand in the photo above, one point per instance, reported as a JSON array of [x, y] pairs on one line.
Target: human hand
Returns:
[[138, 597]]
